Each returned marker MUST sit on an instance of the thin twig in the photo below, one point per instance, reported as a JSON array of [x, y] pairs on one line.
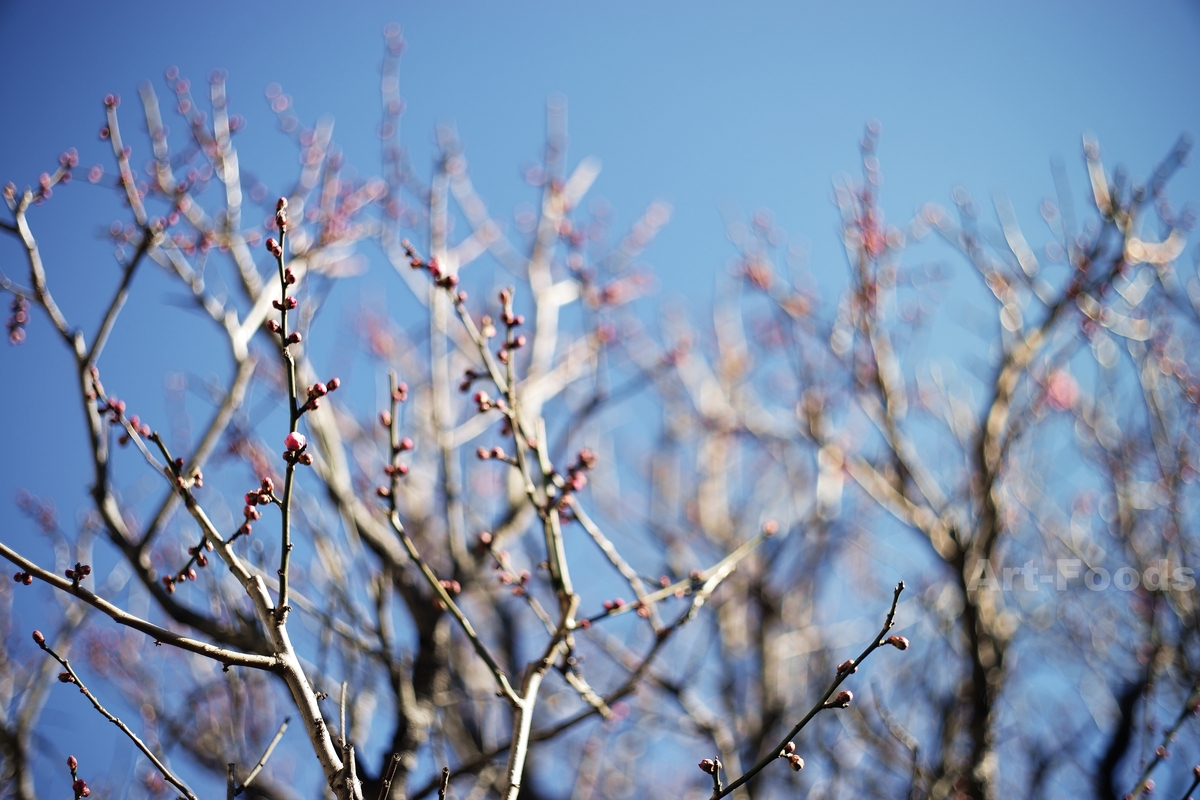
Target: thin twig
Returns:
[[160, 635], [822, 703], [342, 729], [266, 754], [166, 773], [389, 776]]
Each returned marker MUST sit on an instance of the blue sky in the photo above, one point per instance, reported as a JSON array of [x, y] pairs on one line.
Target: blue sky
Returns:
[[700, 104]]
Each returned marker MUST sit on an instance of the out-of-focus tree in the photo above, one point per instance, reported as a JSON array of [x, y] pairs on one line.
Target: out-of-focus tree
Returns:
[[438, 582]]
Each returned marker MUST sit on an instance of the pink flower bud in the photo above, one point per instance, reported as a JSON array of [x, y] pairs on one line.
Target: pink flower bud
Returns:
[[295, 441], [406, 443], [385, 419], [844, 697], [333, 384], [72, 763], [37, 637], [898, 642]]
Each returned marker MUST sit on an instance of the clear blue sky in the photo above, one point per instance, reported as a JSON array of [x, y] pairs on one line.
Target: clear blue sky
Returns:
[[697, 103]]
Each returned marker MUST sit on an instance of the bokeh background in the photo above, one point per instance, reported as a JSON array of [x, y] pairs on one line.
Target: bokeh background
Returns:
[[711, 107]]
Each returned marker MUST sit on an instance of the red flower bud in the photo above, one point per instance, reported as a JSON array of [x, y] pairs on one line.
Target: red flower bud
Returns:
[[898, 642], [37, 637], [72, 763]]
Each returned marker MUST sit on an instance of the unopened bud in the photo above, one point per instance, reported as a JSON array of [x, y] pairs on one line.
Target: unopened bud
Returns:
[[37, 637], [898, 642]]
